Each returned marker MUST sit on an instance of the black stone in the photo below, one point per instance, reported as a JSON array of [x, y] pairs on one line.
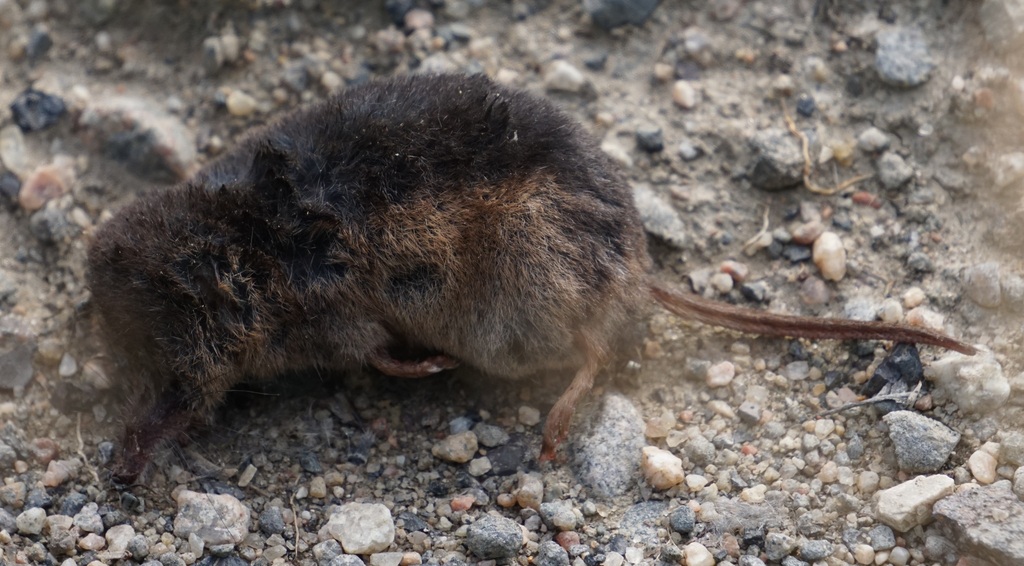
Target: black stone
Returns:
[[35, 110], [805, 105]]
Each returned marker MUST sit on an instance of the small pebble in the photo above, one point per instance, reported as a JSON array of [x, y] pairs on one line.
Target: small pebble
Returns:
[[563, 76], [219, 519], [684, 95], [983, 467], [35, 110], [457, 448], [872, 140], [893, 171], [529, 416], [720, 374], [698, 555], [909, 504], [913, 297], [494, 537], [830, 256], [240, 104], [902, 58], [661, 468], [362, 528], [649, 138], [479, 466], [30, 521]]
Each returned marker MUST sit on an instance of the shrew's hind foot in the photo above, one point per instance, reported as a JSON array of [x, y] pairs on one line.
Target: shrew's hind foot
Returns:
[[425, 367]]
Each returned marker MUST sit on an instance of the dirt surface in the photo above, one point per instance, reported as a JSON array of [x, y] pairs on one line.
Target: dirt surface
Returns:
[[938, 214]]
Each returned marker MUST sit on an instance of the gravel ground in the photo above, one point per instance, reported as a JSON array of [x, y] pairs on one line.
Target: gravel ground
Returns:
[[708, 448]]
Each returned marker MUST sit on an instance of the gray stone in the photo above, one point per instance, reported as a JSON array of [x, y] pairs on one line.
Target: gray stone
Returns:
[[272, 521], [7, 521], [659, 216], [551, 554], [489, 435], [494, 537], [922, 444], [640, 523], [1011, 448], [607, 448], [650, 138], [610, 14], [683, 520], [987, 522], [217, 519], [893, 171], [777, 546], [815, 550], [345, 560], [747, 560], [778, 161], [902, 58], [881, 537], [559, 514], [30, 521]]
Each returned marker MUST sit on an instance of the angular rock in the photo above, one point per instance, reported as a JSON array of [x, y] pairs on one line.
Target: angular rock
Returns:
[[987, 522], [778, 160], [494, 537], [922, 444], [902, 58], [216, 519], [909, 504], [976, 383], [658, 216], [36, 110], [607, 448], [362, 528]]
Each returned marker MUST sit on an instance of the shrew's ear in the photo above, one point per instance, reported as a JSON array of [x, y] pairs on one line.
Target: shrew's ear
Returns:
[[269, 171], [496, 118]]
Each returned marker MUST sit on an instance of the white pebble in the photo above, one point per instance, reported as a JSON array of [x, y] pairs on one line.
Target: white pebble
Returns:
[[720, 374], [661, 468], [529, 416], [913, 297], [926, 318], [909, 504], [976, 383], [872, 140], [240, 104], [830, 256], [890, 311], [698, 555], [456, 448], [562, 75], [983, 467], [721, 282], [696, 482], [684, 95], [863, 554]]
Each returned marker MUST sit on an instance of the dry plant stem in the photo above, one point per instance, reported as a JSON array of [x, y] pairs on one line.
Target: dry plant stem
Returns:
[[805, 146], [81, 451], [907, 399], [692, 307], [747, 246]]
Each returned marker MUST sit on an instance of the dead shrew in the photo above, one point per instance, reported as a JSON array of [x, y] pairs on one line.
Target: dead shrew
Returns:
[[446, 215]]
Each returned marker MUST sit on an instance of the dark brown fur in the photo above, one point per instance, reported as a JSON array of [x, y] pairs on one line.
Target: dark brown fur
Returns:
[[444, 214]]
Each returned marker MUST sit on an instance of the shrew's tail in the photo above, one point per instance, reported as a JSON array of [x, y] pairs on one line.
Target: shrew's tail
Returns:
[[694, 307]]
